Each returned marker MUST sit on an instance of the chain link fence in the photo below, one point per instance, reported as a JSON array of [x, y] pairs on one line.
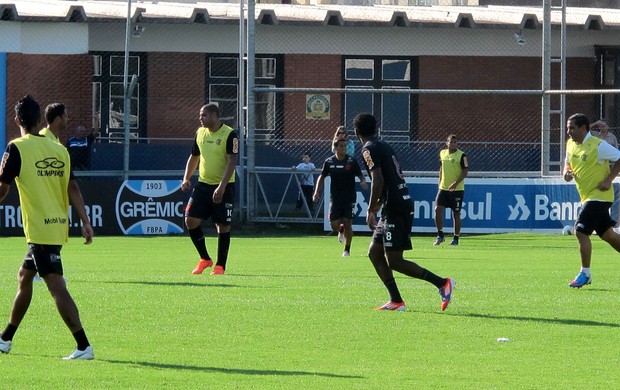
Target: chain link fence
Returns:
[[434, 71]]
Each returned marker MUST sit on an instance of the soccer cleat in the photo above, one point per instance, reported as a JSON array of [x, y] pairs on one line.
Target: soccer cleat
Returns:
[[393, 306], [5, 346], [455, 241], [439, 240], [580, 280], [87, 354], [446, 293], [202, 264], [218, 270], [341, 237], [346, 254]]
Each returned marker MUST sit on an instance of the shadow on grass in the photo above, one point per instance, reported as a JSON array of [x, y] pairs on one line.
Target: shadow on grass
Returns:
[[544, 320], [243, 371], [299, 276], [174, 284]]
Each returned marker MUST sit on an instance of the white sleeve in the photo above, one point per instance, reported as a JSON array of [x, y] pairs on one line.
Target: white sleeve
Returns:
[[608, 152]]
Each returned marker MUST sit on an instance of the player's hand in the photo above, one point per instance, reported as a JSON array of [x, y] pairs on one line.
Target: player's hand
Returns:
[[605, 185], [568, 175], [452, 187], [218, 195], [87, 233], [371, 219], [364, 185], [186, 185], [315, 197]]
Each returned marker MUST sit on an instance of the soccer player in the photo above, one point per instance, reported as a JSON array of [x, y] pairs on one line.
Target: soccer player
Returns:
[[342, 196], [215, 151], [588, 162], [390, 195], [41, 170], [453, 170], [56, 117]]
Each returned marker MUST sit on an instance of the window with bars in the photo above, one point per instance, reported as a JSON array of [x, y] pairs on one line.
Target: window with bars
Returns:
[[223, 88], [394, 111], [108, 94]]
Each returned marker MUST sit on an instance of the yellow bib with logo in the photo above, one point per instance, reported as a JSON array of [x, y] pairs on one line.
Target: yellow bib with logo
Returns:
[[213, 154], [451, 169], [42, 184], [588, 170]]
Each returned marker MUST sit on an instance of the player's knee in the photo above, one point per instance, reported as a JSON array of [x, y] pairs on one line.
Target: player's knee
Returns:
[[395, 262], [25, 277], [222, 228], [191, 223], [375, 253]]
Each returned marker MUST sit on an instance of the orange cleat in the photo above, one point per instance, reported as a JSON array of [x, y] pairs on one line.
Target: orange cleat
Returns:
[[218, 270], [202, 264]]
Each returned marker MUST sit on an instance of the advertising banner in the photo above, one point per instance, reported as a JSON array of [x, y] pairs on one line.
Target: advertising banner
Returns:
[[490, 205], [156, 207], [141, 207], [150, 207]]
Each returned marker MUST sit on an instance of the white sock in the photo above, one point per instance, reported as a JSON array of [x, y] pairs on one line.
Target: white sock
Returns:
[[586, 271]]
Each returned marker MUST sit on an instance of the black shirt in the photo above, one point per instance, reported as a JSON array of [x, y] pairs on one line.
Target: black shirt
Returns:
[[343, 174], [80, 150], [395, 195]]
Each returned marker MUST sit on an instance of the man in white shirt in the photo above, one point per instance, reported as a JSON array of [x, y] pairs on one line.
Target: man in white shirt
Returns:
[[600, 129]]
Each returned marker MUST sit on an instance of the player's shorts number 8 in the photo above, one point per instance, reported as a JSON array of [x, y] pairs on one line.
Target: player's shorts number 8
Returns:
[[388, 236]]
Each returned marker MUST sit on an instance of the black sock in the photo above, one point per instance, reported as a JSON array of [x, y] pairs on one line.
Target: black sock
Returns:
[[434, 279], [347, 248], [392, 288], [198, 239], [223, 243], [80, 338], [440, 233], [8, 333]]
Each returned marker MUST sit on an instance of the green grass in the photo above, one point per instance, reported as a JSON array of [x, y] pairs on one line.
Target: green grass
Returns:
[[291, 314]]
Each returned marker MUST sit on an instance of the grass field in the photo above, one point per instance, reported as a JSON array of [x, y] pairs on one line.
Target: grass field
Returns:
[[292, 314]]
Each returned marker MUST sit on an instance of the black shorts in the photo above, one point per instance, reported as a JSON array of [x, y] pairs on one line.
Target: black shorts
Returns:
[[340, 210], [450, 199], [594, 215], [45, 259], [394, 233], [201, 204]]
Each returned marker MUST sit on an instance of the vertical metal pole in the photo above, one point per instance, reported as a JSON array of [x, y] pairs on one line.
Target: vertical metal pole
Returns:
[[3, 98], [546, 85], [241, 113], [251, 120], [563, 87], [126, 98]]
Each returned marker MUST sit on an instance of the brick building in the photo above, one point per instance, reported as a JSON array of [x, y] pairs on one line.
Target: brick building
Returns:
[[184, 54]]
